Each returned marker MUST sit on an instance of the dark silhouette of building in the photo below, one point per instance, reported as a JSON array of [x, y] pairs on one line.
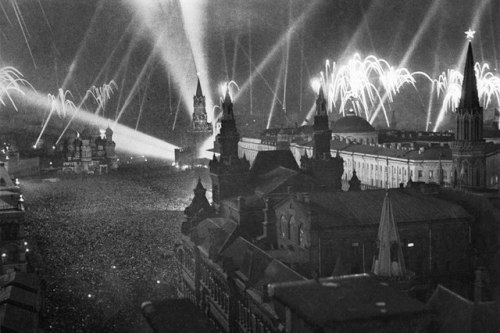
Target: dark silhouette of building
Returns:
[[353, 303], [321, 165], [229, 173], [272, 222]]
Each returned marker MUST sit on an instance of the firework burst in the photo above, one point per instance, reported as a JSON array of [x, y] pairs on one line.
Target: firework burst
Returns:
[[102, 94], [228, 86], [449, 86], [60, 104], [361, 83], [11, 80]]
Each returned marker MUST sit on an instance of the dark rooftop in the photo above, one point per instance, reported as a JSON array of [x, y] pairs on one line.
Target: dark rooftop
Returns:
[[365, 207], [327, 301], [258, 267], [211, 234], [266, 161], [457, 314], [351, 124], [175, 315]]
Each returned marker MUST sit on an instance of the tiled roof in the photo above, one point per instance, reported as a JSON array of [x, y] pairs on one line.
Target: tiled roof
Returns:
[[212, 233], [280, 177], [365, 207], [257, 266], [352, 124], [266, 161], [269, 181], [430, 154], [457, 314], [326, 302], [175, 315]]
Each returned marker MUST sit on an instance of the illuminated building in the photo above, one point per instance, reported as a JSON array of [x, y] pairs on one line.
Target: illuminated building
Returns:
[[89, 152], [199, 131]]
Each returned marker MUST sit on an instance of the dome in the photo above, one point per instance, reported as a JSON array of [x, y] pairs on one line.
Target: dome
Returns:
[[85, 135], [109, 132], [95, 131], [352, 124]]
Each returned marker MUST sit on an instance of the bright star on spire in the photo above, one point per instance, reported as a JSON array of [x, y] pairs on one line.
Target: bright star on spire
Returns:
[[470, 34]]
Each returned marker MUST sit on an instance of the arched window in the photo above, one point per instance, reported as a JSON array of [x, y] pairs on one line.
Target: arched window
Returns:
[[301, 235], [466, 129], [291, 227], [283, 226]]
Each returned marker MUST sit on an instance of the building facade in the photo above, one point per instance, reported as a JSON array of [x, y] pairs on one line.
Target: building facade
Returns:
[[90, 152]]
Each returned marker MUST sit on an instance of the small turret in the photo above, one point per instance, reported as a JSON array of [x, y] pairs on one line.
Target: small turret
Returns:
[[109, 134], [199, 208], [86, 134], [354, 183]]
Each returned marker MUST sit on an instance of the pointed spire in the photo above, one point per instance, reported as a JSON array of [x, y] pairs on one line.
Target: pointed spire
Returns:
[[227, 107], [199, 185], [227, 97], [470, 97], [354, 183], [321, 103], [199, 93], [390, 260]]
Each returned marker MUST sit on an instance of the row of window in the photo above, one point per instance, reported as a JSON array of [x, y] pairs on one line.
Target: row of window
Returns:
[[291, 231], [397, 171]]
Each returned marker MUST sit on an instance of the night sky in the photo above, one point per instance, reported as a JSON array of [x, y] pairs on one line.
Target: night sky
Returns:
[[78, 37]]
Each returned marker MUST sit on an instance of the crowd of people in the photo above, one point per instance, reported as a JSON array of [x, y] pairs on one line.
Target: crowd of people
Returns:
[[104, 244]]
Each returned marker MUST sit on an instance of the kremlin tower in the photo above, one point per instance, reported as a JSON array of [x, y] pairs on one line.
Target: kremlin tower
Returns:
[[322, 165], [229, 173], [468, 150]]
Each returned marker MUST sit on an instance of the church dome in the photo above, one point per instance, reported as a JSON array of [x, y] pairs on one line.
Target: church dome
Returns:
[[352, 124], [109, 132], [95, 131], [85, 135]]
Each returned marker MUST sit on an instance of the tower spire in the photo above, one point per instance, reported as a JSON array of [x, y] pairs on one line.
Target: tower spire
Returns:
[[390, 260], [227, 107], [199, 93], [470, 96], [321, 103]]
